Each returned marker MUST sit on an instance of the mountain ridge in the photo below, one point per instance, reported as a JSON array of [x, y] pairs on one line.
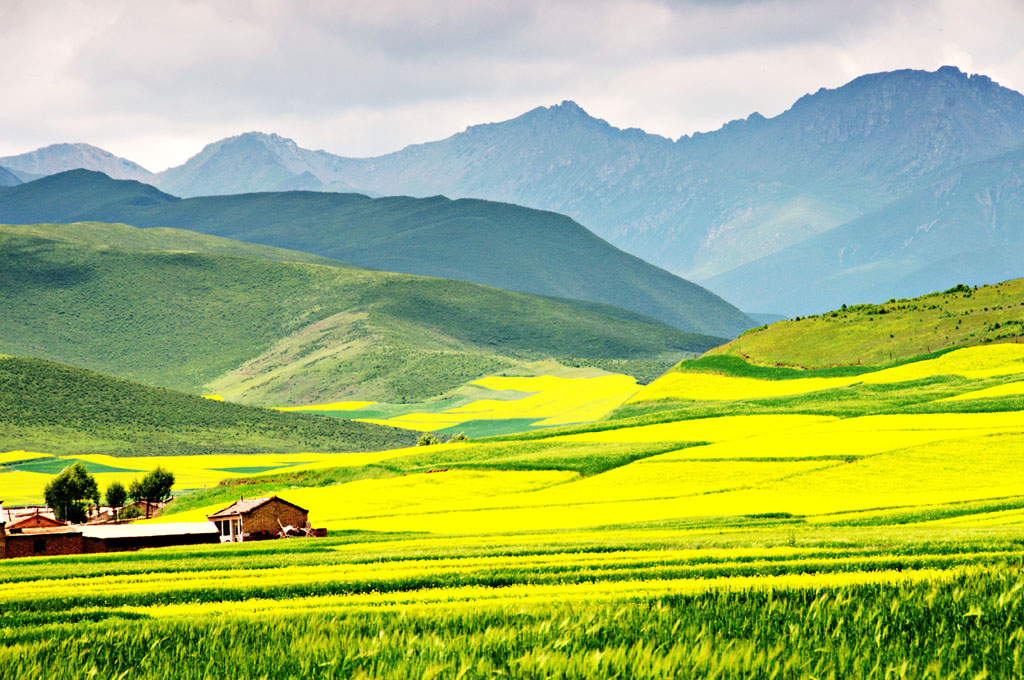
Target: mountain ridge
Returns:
[[55, 158], [496, 244], [703, 206]]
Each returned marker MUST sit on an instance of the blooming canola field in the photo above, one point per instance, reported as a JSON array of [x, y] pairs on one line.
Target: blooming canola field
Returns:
[[720, 522]]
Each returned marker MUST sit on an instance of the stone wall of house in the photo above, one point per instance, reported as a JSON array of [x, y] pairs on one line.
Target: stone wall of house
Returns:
[[264, 519]]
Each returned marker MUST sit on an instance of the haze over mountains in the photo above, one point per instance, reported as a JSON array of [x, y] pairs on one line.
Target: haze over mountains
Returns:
[[900, 181]]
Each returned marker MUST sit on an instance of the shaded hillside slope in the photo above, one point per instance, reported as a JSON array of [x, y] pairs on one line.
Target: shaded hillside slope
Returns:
[[55, 408], [8, 178], [285, 333], [485, 242]]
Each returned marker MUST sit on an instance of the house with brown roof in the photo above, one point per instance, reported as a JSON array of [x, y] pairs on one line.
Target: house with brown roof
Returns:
[[249, 519], [36, 520]]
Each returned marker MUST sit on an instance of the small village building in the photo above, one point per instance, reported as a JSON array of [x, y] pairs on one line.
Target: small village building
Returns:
[[123, 537], [100, 538], [253, 519], [36, 520], [65, 540]]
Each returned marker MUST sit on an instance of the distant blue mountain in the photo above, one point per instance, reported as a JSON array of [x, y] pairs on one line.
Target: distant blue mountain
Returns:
[[8, 178], [727, 208]]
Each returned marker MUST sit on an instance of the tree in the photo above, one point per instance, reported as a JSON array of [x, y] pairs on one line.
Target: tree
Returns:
[[427, 440], [71, 492], [116, 496], [154, 487]]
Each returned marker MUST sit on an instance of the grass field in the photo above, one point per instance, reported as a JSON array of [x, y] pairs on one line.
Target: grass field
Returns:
[[898, 329], [759, 602], [729, 520], [271, 327]]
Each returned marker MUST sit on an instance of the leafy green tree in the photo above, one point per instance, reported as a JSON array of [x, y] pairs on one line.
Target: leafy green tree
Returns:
[[71, 492], [427, 440], [116, 496], [154, 487], [459, 437]]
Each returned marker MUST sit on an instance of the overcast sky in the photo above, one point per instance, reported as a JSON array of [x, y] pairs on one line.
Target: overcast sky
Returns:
[[155, 81]]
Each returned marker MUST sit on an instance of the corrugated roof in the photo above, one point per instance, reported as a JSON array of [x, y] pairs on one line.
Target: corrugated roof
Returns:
[[147, 530]]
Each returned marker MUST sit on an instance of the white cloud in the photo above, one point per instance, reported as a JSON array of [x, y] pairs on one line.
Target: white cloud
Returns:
[[154, 81]]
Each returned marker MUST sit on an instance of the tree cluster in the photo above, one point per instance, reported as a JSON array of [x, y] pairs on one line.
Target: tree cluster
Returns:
[[74, 490]]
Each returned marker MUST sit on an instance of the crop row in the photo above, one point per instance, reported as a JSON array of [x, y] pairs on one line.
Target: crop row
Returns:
[[968, 624]]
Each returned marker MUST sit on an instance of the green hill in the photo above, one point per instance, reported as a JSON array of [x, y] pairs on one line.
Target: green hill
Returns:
[[495, 244], [46, 406], [168, 308], [889, 332]]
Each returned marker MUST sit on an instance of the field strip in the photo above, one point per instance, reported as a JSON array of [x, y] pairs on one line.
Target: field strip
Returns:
[[532, 594], [560, 568], [973, 363]]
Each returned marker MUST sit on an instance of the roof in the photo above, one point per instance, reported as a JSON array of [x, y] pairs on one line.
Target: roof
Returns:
[[42, 531], [45, 520], [147, 530], [245, 505]]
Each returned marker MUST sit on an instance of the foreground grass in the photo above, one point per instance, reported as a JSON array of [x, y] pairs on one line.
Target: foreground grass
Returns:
[[880, 602]]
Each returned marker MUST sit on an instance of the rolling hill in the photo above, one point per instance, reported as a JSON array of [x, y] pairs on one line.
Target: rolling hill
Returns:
[[202, 314], [896, 330], [480, 241], [52, 407]]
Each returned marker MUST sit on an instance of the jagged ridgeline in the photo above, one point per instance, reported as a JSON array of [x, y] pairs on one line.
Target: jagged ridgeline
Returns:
[[47, 406], [496, 244], [203, 314]]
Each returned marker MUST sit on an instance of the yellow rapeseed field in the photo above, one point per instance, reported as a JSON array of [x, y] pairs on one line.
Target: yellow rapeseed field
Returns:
[[1009, 389], [550, 400], [972, 362], [701, 429]]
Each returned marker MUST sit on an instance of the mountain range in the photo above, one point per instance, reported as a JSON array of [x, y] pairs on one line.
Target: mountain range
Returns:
[[729, 208], [485, 242]]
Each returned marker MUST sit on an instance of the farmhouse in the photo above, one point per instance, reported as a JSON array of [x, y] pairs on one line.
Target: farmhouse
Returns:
[[73, 540], [36, 520], [249, 519]]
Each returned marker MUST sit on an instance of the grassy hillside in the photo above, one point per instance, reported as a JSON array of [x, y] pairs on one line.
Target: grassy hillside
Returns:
[[893, 331], [46, 406], [114, 299], [495, 244]]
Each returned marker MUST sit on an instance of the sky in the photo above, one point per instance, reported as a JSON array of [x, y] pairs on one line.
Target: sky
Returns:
[[155, 81]]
